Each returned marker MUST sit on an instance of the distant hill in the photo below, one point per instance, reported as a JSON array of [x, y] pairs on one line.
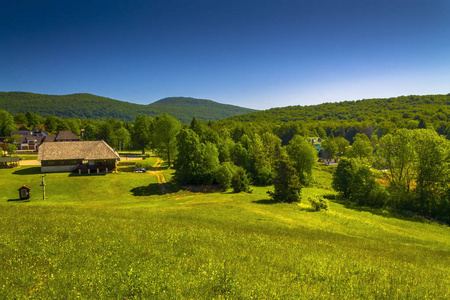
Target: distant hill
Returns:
[[433, 108], [97, 107]]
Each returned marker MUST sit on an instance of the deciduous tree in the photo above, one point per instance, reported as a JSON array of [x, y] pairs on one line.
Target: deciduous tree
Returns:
[[166, 129], [304, 156]]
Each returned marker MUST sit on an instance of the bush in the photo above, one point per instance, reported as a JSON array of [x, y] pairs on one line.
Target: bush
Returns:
[[240, 181], [318, 203], [265, 175], [223, 175]]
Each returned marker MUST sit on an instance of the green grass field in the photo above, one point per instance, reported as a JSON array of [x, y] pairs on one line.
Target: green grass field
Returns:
[[117, 236]]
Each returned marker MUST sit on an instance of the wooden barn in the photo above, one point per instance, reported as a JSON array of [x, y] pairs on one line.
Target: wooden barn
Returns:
[[82, 157]]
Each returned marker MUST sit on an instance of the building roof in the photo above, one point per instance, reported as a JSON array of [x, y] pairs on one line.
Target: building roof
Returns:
[[38, 138], [25, 187], [85, 150], [66, 135], [49, 138], [21, 132], [9, 159]]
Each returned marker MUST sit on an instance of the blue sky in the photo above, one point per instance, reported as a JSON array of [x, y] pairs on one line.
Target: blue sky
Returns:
[[257, 54]]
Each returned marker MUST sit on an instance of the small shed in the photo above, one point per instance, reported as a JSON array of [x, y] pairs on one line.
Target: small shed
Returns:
[[24, 192], [9, 162]]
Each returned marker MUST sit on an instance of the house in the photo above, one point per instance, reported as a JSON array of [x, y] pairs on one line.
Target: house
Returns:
[[37, 131], [79, 156], [29, 139], [29, 142], [66, 136], [23, 131], [317, 142], [62, 136]]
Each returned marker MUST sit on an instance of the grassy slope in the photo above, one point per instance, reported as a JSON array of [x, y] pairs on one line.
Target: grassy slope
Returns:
[[116, 236], [96, 107]]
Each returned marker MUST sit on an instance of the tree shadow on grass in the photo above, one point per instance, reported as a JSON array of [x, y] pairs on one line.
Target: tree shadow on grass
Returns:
[[404, 215], [28, 171], [266, 201], [155, 189], [148, 190]]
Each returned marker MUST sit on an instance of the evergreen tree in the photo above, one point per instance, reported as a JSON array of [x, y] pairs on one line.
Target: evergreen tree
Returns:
[[240, 181], [286, 183]]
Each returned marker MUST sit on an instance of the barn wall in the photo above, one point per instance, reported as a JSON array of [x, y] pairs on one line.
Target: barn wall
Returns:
[[56, 169]]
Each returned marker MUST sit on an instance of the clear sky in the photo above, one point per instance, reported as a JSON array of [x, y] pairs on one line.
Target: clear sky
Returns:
[[257, 54]]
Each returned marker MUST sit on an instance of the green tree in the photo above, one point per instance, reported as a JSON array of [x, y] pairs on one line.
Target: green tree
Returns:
[[342, 145], [11, 148], [51, 124], [91, 132], [73, 125], [105, 132], [240, 181], [33, 120], [365, 190], [303, 155], [14, 139], [330, 148], [20, 118], [432, 173], [361, 148], [196, 162], [166, 130], [286, 183], [6, 123], [223, 175], [121, 138], [343, 176], [396, 155], [190, 158], [141, 135]]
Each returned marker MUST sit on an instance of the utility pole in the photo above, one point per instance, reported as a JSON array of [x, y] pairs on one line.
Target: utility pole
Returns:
[[43, 186]]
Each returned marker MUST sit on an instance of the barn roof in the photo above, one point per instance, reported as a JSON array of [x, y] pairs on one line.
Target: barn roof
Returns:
[[66, 135], [86, 150]]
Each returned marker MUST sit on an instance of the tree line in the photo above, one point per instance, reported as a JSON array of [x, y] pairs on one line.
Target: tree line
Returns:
[[414, 163]]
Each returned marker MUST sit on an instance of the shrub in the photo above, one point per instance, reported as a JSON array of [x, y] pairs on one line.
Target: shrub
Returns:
[[265, 175], [240, 181], [223, 175], [318, 203]]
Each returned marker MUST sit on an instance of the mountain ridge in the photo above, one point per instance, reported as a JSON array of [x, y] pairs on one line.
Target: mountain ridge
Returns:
[[412, 107], [85, 105]]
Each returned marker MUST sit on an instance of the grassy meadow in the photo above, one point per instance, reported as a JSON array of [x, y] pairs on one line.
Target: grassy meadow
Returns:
[[117, 236]]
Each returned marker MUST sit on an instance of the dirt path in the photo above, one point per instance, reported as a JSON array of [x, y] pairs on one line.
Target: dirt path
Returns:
[[159, 175], [29, 163]]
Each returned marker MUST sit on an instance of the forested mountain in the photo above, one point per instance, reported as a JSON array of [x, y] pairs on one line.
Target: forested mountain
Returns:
[[429, 108], [96, 107]]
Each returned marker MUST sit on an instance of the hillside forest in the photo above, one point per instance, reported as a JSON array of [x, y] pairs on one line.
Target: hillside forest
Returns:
[[392, 154], [88, 106]]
